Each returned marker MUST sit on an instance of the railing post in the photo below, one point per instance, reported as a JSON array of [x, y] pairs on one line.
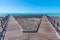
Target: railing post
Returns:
[[57, 23], [54, 21], [2, 23]]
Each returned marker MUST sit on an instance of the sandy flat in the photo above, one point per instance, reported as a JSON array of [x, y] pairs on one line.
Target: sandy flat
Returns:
[[28, 24]]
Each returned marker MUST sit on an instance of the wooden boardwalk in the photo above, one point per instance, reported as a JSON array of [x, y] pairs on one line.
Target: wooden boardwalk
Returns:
[[45, 32]]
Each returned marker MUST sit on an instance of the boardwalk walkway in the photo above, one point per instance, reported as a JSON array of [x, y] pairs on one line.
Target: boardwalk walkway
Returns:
[[45, 31]]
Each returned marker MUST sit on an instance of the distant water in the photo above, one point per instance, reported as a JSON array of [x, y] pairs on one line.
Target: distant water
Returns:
[[29, 14], [3, 14]]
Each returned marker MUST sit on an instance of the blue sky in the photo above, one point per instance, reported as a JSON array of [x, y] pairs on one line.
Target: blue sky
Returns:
[[29, 6]]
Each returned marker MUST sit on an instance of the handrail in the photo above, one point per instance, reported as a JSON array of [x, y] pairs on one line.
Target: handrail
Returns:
[[4, 23], [52, 22]]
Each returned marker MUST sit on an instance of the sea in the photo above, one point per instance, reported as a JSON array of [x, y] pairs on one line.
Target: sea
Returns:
[[29, 14]]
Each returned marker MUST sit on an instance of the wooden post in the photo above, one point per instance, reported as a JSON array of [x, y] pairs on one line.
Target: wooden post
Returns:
[[58, 24], [2, 23], [54, 21]]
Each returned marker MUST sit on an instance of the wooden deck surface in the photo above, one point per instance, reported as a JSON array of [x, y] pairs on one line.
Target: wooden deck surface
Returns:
[[45, 31]]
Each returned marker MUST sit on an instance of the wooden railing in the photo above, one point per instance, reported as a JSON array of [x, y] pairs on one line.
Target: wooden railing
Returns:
[[4, 24], [52, 21]]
